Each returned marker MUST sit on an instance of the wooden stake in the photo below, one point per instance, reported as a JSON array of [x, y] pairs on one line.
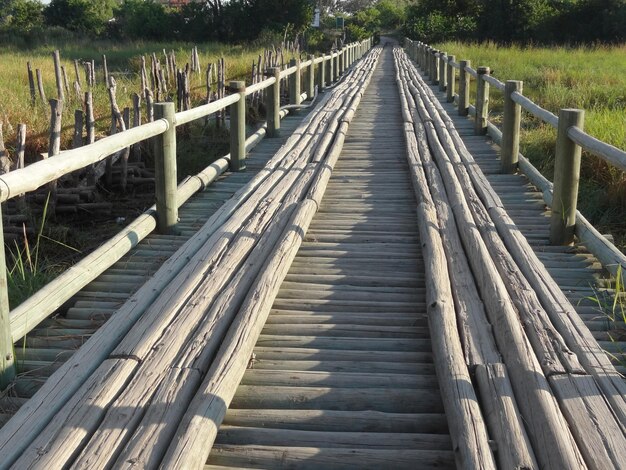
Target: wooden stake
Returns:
[[42, 93], [105, 69], [31, 84], [58, 75]]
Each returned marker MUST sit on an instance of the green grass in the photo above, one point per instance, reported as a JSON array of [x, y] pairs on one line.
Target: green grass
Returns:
[[123, 63], [28, 267], [590, 78]]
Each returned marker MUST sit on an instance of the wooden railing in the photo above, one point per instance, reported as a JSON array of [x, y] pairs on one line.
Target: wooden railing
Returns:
[[562, 195], [17, 323]]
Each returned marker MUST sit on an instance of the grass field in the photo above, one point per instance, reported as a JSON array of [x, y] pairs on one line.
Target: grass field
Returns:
[[591, 78], [123, 63]]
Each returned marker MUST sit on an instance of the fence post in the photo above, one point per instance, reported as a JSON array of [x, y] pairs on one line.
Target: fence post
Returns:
[[311, 88], [482, 101], [321, 72], [464, 88], [450, 79], [273, 104], [331, 77], [295, 83], [238, 127], [510, 127], [434, 67], [165, 170], [566, 177], [336, 68], [7, 374], [442, 71]]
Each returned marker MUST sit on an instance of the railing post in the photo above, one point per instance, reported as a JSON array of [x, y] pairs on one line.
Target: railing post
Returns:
[[336, 69], [7, 374], [311, 76], [273, 104], [238, 128], [450, 79], [295, 83], [442, 72], [566, 177], [510, 127], [165, 170], [434, 67], [464, 88], [321, 72], [331, 77], [482, 101]]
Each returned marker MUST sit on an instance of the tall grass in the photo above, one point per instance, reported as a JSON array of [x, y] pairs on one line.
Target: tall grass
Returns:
[[591, 78], [27, 271], [123, 61]]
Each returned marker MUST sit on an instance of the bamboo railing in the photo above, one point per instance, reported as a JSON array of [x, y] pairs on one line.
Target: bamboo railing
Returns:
[[17, 323], [571, 139]]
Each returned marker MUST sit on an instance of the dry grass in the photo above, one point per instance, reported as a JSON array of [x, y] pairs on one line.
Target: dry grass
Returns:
[[123, 63]]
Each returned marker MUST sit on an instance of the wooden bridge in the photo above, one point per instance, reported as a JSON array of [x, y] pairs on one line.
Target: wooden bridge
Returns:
[[375, 286]]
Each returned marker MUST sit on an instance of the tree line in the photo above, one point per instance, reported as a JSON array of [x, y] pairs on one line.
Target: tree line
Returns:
[[505, 21], [218, 20], [519, 21]]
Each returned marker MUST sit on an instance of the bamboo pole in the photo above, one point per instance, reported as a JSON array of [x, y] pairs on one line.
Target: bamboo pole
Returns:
[[165, 170], [566, 178]]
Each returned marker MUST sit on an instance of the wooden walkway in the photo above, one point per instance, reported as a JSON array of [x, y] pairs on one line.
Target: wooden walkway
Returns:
[[54, 341], [343, 373]]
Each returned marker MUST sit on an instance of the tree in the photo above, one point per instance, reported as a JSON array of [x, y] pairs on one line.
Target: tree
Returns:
[[22, 15], [142, 19], [88, 16]]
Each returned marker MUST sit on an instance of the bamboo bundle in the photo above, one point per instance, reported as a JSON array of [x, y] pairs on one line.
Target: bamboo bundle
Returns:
[[597, 434], [480, 349]]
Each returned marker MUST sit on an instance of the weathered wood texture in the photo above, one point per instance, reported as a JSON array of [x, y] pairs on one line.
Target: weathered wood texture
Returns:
[[355, 371], [590, 428]]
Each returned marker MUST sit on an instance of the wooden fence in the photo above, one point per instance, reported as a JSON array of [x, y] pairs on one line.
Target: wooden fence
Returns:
[[562, 195], [17, 323]]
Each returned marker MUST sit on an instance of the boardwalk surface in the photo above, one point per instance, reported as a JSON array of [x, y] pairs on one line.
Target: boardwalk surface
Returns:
[[342, 375]]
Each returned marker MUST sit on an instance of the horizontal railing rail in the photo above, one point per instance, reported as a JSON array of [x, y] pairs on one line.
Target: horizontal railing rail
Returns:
[[17, 323], [571, 139]]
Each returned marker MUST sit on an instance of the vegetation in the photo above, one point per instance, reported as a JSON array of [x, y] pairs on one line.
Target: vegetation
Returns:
[[123, 61], [521, 21], [590, 78]]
